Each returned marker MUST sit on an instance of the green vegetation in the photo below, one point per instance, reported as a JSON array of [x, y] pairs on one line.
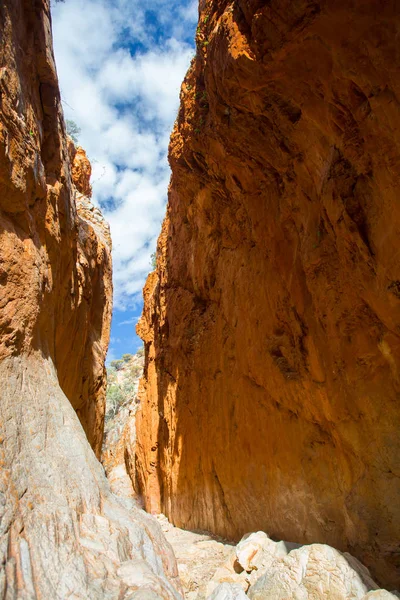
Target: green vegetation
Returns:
[[117, 364], [118, 394], [153, 260], [72, 128], [122, 381], [115, 399], [135, 371]]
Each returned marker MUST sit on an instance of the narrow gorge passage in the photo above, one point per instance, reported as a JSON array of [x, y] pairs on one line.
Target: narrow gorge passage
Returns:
[[249, 449], [209, 566]]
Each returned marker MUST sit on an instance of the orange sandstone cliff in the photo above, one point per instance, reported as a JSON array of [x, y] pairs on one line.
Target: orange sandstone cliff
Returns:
[[62, 532], [272, 323], [56, 288]]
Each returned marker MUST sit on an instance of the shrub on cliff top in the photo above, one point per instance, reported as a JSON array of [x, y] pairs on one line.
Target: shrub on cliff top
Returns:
[[117, 364], [72, 128]]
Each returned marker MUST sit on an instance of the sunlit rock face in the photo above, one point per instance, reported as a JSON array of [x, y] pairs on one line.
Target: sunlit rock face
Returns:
[[271, 391], [62, 533], [56, 291]]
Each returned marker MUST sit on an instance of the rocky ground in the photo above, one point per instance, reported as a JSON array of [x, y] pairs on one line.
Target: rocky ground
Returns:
[[261, 569], [199, 557], [211, 567]]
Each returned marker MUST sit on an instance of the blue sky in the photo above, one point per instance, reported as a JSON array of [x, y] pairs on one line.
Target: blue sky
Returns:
[[120, 64]]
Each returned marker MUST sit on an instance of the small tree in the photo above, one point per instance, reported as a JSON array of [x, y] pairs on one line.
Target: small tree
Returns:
[[117, 364], [153, 260], [126, 357], [115, 398], [72, 128]]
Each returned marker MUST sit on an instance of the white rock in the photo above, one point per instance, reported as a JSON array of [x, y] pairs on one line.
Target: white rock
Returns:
[[380, 595], [76, 537], [228, 591], [144, 594], [249, 550], [136, 573], [316, 571]]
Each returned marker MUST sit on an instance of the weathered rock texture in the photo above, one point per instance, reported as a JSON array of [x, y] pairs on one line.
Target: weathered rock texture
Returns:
[[56, 289], [271, 391], [268, 570], [198, 556], [62, 533]]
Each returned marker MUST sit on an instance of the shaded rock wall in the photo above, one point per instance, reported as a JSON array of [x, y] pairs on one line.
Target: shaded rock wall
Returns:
[[62, 533], [271, 391], [55, 259]]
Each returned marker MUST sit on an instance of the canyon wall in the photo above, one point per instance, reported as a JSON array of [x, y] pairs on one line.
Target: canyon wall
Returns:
[[56, 288], [272, 376], [62, 533]]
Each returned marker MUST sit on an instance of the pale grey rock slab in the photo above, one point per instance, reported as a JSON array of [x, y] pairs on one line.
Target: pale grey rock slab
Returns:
[[381, 595], [228, 591], [63, 534], [316, 571]]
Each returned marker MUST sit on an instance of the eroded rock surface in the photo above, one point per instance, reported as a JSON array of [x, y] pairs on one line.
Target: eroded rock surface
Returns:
[[55, 269], [270, 398], [261, 569], [198, 556], [63, 534]]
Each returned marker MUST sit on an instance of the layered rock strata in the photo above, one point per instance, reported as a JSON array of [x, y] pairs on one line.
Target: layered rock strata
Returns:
[[62, 533], [271, 324]]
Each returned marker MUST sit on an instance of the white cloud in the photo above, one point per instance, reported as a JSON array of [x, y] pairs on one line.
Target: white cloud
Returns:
[[153, 79], [120, 66], [131, 321]]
